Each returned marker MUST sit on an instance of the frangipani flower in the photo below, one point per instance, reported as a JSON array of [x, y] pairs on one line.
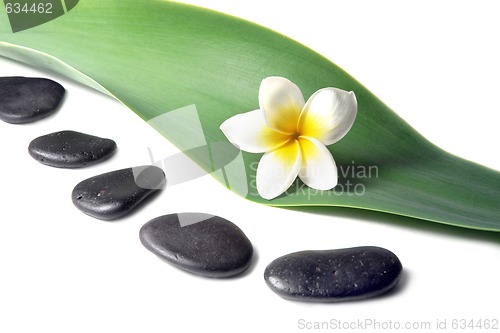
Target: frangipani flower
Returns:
[[293, 134]]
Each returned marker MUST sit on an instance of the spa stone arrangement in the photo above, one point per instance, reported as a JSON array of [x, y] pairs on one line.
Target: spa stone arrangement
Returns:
[[198, 243]]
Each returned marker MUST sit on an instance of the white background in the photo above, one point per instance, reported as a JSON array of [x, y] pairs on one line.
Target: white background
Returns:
[[434, 63]]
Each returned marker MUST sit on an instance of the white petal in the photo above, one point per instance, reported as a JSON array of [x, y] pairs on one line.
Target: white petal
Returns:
[[278, 169], [282, 101], [318, 169], [249, 132], [328, 115]]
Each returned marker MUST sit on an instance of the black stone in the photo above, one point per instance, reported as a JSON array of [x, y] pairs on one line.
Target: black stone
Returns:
[[69, 149], [24, 100], [201, 244], [113, 195], [334, 275]]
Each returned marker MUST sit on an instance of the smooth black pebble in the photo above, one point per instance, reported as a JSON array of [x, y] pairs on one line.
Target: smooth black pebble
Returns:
[[334, 275], [201, 244], [69, 149], [113, 195], [25, 99]]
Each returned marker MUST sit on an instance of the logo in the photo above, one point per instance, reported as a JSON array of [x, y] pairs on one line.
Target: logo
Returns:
[[222, 159], [26, 14]]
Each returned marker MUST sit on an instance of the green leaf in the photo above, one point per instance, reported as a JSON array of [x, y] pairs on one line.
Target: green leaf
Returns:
[[156, 57]]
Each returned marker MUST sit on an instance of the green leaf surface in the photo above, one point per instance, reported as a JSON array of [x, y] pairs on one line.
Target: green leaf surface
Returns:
[[157, 56]]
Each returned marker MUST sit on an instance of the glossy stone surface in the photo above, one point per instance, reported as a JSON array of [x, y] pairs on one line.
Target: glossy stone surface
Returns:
[[113, 195], [199, 243], [334, 275], [69, 149], [24, 100]]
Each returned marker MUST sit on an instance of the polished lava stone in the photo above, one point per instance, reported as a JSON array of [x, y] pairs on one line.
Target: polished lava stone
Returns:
[[334, 275], [114, 194], [201, 244], [69, 149], [24, 100]]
